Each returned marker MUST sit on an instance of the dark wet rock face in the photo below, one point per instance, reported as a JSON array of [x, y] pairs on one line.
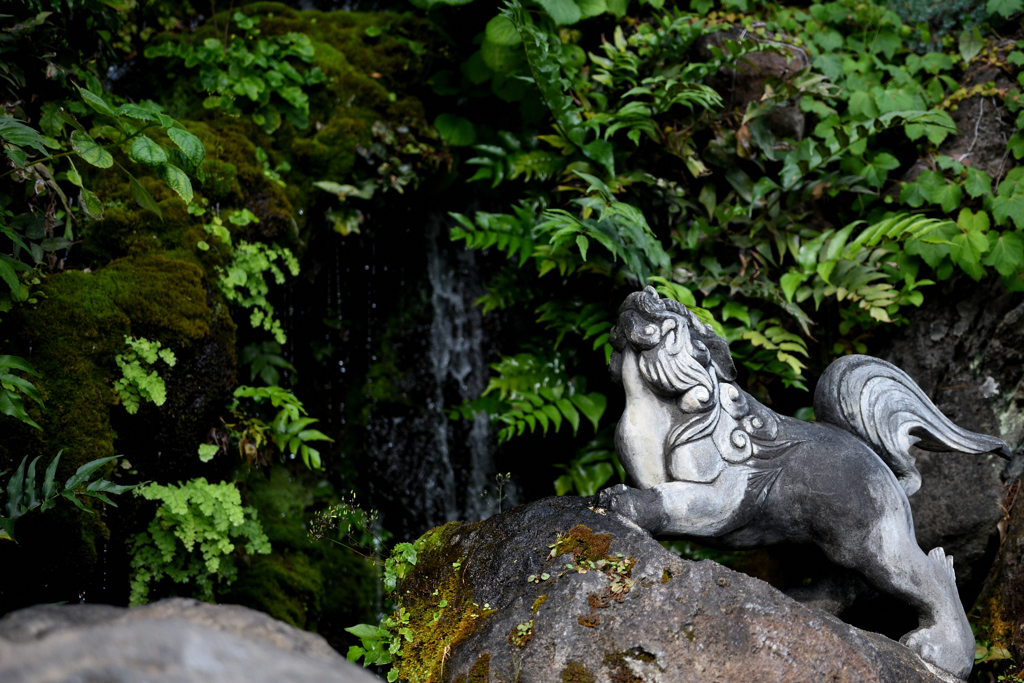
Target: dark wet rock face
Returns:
[[965, 348], [177, 640], [572, 594]]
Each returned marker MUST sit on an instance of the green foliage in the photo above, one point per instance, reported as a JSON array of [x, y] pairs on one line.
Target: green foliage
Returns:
[[139, 380], [264, 361], [123, 128], [531, 391], [23, 495], [590, 470], [250, 74], [193, 538], [244, 282], [14, 387], [289, 430]]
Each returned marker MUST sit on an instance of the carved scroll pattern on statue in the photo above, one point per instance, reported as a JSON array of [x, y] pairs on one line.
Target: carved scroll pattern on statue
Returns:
[[713, 464]]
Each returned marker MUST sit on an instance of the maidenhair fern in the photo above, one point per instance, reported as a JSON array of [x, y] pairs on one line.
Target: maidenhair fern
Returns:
[[192, 538], [244, 282], [139, 379]]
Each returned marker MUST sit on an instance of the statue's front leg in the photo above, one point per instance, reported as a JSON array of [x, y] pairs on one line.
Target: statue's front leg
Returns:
[[682, 507], [645, 508]]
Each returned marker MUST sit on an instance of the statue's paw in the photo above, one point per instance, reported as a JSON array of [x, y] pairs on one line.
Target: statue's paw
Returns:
[[943, 648], [644, 508], [608, 498]]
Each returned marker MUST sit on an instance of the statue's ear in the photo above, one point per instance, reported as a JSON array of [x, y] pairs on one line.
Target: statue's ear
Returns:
[[719, 350]]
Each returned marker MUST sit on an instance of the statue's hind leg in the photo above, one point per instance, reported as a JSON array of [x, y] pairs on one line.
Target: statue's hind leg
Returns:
[[891, 560]]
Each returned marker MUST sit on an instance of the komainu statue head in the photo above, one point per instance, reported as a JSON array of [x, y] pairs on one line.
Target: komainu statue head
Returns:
[[678, 355]]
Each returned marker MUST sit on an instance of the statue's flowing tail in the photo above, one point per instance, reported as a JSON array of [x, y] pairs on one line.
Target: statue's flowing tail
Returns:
[[879, 403]]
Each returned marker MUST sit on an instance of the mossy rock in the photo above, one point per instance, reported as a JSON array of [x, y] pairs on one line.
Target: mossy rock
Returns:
[[72, 337]]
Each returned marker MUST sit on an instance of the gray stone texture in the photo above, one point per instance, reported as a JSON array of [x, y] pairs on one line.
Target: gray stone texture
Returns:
[[965, 348], [171, 641], [680, 620]]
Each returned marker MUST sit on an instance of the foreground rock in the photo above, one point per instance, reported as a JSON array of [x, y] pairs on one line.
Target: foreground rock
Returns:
[[557, 591], [171, 641]]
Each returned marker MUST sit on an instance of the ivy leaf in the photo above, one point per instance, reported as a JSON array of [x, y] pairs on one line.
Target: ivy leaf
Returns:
[[1009, 207], [189, 144], [142, 196], [1016, 145], [1006, 253], [970, 43], [178, 181], [912, 194], [967, 248], [145, 151], [947, 197], [978, 182], [1004, 8], [90, 151]]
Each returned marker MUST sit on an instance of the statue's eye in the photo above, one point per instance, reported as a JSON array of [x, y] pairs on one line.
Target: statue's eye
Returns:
[[700, 352]]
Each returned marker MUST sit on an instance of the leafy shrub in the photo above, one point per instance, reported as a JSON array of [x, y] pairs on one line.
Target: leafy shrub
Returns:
[[259, 80], [192, 539]]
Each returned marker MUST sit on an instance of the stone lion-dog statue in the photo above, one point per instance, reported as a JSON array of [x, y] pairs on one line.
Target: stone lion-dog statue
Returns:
[[714, 465]]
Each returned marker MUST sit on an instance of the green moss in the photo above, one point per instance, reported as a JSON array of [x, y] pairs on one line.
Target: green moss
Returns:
[[480, 672], [432, 582], [538, 602], [574, 672], [72, 336], [583, 543]]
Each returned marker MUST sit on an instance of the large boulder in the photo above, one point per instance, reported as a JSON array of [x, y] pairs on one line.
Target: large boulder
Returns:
[[171, 641], [558, 590]]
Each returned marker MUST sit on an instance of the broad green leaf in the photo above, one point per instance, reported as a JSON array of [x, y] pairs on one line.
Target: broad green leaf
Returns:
[[501, 31], [145, 151], [189, 144], [591, 405], [967, 248], [970, 44], [207, 451], [978, 183], [137, 112], [1004, 8], [178, 181], [141, 195], [455, 130], [562, 11], [91, 203], [90, 150], [1006, 253], [96, 102], [790, 281], [948, 197], [1009, 208], [593, 8], [15, 132]]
